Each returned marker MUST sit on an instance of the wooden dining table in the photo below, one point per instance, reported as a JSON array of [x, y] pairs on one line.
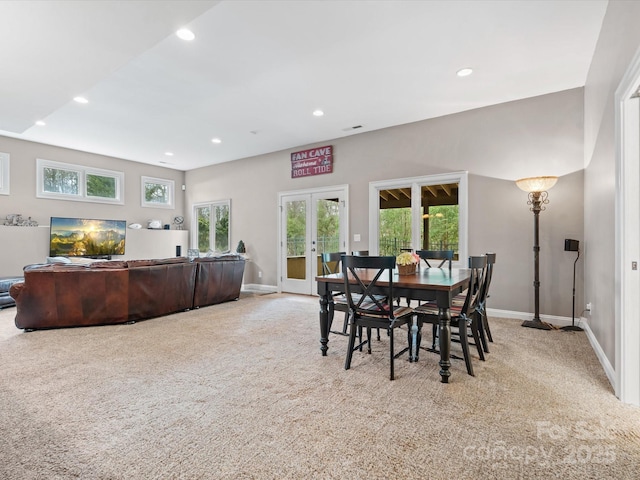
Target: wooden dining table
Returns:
[[439, 284]]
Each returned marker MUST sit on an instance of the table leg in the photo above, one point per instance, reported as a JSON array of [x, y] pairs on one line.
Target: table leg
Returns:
[[445, 344], [414, 340], [324, 323]]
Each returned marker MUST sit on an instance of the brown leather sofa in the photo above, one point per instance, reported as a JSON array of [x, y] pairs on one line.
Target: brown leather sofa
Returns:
[[219, 279], [103, 293]]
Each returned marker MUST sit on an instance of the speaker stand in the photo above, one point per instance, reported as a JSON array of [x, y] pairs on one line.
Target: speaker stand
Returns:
[[573, 327]]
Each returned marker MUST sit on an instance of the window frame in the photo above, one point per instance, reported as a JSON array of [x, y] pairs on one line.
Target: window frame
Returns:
[[170, 184], [4, 174], [416, 183], [83, 172], [212, 233]]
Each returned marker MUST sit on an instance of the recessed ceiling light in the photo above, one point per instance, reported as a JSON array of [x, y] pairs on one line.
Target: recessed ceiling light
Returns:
[[216, 140], [185, 34], [464, 72], [81, 100], [169, 154], [40, 123], [318, 113]]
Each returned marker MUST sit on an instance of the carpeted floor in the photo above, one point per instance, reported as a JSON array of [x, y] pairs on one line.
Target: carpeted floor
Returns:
[[240, 391]]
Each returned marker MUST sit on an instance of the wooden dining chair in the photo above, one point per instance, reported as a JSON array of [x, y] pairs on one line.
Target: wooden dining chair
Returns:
[[464, 318], [367, 309], [331, 263], [483, 323], [444, 256]]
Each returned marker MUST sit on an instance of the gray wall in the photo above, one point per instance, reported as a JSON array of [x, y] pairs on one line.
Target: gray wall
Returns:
[[618, 42], [496, 145], [14, 252]]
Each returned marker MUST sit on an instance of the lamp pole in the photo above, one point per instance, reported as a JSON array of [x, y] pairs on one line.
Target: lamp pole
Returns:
[[536, 200], [538, 197]]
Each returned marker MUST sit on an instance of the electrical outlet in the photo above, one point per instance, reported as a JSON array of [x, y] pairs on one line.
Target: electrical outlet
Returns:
[[259, 274], [588, 307]]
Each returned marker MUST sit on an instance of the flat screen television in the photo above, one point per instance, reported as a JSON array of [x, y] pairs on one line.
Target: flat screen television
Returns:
[[86, 237]]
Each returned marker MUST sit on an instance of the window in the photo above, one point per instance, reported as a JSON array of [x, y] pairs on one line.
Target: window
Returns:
[[211, 226], [157, 192], [420, 213], [64, 181], [4, 173]]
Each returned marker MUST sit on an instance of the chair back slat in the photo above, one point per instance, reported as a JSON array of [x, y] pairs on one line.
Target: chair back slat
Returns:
[[443, 255], [484, 292], [331, 262], [477, 266], [362, 302]]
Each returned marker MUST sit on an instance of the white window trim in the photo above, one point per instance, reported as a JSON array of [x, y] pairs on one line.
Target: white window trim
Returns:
[[157, 181], [461, 178], [4, 173], [82, 171], [212, 232]]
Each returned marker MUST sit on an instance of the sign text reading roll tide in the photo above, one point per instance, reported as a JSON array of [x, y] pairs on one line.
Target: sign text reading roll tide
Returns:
[[315, 161]]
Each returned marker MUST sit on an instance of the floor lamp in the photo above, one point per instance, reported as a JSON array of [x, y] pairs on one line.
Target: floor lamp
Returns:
[[537, 188]]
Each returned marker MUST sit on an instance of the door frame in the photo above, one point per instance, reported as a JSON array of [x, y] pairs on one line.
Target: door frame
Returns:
[[627, 235], [309, 191]]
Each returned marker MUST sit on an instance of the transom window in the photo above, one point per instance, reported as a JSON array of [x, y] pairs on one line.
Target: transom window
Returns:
[[157, 192], [64, 181]]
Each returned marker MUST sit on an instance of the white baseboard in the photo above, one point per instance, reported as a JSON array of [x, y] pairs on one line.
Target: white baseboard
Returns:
[[257, 287], [552, 319], [562, 322], [604, 361]]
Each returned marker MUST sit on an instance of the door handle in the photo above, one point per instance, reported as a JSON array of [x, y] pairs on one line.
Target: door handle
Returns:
[[313, 249]]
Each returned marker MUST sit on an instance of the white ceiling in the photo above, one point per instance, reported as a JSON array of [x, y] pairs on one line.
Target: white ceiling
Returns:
[[257, 69]]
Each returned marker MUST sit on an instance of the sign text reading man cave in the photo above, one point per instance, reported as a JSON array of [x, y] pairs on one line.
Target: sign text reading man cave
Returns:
[[314, 161]]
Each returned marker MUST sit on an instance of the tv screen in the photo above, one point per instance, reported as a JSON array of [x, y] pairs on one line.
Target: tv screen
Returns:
[[85, 237]]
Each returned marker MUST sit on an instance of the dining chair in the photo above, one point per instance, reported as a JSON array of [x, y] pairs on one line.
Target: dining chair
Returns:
[[360, 253], [443, 255], [367, 309], [483, 323], [331, 263], [464, 317]]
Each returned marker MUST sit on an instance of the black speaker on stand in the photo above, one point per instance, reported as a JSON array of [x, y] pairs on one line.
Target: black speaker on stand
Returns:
[[573, 246]]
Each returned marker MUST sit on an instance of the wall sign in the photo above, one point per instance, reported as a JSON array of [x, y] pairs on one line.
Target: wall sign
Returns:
[[315, 161]]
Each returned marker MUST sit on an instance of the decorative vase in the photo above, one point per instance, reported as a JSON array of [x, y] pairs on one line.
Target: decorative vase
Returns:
[[407, 269]]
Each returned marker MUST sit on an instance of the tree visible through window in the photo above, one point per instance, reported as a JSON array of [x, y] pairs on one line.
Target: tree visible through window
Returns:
[[212, 226], [157, 192]]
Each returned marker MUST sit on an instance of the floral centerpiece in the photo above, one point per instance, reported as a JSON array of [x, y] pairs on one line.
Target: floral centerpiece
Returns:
[[407, 263]]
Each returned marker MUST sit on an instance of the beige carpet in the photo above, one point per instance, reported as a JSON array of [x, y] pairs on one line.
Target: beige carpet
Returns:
[[240, 391]]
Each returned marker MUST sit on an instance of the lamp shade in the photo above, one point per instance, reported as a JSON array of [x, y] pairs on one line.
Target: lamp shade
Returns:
[[536, 184]]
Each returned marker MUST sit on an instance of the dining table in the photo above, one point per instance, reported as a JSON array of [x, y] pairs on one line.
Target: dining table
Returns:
[[439, 285]]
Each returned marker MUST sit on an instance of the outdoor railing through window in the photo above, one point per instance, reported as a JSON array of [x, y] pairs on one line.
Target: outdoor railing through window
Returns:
[[393, 246], [296, 246], [388, 246]]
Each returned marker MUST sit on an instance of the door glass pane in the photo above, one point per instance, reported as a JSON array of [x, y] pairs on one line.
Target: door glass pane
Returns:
[[203, 214], [328, 227], [439, 226], [296, 239], [394, 221]]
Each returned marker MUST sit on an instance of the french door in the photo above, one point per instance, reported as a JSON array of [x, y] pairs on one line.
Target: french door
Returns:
[[311, 222]]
